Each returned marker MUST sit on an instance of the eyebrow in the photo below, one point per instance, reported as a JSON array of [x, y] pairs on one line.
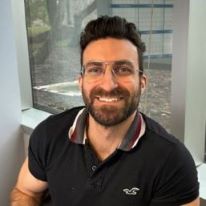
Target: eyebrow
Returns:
[[98, 62], [123, 62], [94, 63]]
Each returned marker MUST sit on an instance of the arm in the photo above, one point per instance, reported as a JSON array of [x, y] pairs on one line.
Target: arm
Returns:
[[196, 202], [28, 189]]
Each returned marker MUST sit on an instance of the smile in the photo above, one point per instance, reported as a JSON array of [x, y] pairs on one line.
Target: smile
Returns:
[[109, 99]]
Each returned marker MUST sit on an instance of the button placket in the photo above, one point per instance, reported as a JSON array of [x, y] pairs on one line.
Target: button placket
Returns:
[[94, 167]]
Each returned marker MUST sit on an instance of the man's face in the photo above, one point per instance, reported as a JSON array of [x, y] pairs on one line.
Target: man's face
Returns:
[[111, 97]]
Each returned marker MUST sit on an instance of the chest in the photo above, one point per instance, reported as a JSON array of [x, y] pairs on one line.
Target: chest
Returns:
[[77, 178]]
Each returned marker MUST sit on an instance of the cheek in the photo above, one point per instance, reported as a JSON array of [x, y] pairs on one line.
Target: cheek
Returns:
[[86, 88], [133, 86]]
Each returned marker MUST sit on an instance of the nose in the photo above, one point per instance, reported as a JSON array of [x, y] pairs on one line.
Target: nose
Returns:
[[109, 81]]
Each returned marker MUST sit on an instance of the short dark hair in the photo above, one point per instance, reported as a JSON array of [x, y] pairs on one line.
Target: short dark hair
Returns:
[[116, 27]]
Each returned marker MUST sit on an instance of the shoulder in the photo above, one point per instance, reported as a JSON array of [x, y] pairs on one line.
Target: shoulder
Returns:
[[176, 173], [158, 136], [63, 118], [54, 127], [165, 149], [53, 130], [51, 136], [59, 121]]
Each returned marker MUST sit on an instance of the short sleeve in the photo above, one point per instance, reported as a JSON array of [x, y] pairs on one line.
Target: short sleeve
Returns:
[[177, 183], [37, 152]]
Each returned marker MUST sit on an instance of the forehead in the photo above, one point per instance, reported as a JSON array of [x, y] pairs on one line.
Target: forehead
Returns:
[[110, 49]]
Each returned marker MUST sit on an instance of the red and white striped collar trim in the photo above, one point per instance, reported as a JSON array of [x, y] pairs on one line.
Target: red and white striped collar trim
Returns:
[[77, 132]]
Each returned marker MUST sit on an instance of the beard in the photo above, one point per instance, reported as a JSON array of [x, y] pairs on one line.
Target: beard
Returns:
[[110, 115]]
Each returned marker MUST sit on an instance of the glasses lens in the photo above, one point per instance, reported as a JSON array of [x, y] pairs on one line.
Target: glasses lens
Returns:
[[122, 70], [93, 71]]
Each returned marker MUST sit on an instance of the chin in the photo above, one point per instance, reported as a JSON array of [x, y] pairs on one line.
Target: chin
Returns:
[[109, 115]]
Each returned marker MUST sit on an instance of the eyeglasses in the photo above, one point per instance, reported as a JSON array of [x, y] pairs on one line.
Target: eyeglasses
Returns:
[[122, 70]]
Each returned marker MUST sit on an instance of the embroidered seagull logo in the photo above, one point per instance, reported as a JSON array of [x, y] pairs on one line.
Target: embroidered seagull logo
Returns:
[[132, 191]]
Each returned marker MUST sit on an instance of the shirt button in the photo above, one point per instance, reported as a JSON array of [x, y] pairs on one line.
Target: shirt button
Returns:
[[94, 167]]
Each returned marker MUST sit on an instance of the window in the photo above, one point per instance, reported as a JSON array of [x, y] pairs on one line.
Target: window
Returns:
[[53, 28]]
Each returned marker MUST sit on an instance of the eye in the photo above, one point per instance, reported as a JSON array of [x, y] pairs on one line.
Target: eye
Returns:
[[123, 70], [93, 70]]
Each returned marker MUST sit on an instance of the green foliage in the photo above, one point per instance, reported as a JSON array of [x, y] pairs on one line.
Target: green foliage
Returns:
[[33, 31], [37, 11], [62, 43]]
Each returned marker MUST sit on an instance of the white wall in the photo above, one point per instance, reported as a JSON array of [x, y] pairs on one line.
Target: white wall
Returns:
[[11, 142], [189, 75], [179, 66], [196, 80], [22, 53]]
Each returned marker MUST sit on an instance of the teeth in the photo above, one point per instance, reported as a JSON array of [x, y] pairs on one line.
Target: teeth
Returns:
[[104, 99]]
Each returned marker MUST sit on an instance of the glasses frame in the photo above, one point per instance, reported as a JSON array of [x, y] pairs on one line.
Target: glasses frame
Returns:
[[106, 63]]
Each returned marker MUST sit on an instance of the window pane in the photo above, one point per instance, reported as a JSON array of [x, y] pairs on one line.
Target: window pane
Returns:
[[54, 28]]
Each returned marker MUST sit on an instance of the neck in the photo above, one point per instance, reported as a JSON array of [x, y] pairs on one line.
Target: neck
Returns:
[[105, 140]]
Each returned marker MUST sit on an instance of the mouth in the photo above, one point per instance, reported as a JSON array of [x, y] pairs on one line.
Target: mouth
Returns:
[[108, 99]]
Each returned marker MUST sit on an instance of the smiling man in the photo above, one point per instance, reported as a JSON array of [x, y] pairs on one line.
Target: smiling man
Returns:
[[107, 152]]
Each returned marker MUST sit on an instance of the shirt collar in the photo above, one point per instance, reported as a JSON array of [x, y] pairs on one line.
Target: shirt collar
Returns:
[[77, 132]]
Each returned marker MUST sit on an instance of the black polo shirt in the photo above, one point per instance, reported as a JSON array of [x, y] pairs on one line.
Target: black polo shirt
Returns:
[[150, 167]]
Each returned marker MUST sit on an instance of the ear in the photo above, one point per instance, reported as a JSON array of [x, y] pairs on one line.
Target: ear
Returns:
[[143, 83], [80, 82]]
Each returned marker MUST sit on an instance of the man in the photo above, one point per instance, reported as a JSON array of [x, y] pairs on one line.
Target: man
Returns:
[[107, 153]]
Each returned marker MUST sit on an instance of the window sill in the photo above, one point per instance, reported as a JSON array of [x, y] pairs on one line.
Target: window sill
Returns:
[[202, 180], [31, 118]]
